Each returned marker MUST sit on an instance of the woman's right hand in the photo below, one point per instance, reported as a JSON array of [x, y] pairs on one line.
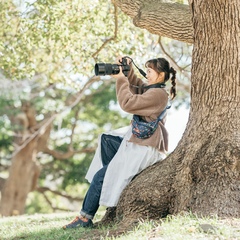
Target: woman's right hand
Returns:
[[119, 60]]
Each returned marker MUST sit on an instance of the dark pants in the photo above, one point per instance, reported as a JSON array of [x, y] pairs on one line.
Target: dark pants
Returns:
[[109, 147]]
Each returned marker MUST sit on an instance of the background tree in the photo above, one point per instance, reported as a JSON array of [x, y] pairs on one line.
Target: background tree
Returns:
[[52, 108], [202, 175]]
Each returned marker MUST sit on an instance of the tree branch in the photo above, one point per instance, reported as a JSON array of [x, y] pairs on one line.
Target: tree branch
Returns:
[[111, 38], [65, 155], [176, 66], [51, 205], [2, 182], [43, 191], [172, 20], [47, 122], [70, 198], [173, 62], [70, 146]]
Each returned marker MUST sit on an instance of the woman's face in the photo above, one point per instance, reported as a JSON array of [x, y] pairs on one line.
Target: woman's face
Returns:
[[154, 77]]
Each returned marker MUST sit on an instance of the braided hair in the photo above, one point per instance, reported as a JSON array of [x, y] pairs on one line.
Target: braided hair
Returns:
[[162, 65]]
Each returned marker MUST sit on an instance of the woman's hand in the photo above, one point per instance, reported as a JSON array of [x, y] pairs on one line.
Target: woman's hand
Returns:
[[119, 62]]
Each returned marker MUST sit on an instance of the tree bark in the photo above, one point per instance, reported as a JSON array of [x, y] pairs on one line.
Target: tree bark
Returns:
[[172, 20], [24, 170], [23, 174], [202, 175]]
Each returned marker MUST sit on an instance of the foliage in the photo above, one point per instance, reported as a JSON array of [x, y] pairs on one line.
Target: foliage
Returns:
[[184, 226], [60, 38]]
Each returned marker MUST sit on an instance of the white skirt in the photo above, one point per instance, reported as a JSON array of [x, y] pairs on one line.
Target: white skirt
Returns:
[[129, 160]]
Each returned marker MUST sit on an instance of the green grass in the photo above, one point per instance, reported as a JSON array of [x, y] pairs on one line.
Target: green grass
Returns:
[[184, 226]]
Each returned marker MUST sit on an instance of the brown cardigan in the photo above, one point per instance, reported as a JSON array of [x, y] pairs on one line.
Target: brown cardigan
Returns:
[[148, 103]]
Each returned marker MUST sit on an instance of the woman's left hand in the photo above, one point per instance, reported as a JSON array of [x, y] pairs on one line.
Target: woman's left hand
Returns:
[[120, 74]]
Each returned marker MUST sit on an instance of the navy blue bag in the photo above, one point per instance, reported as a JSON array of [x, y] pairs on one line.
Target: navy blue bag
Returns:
[[142, 129]]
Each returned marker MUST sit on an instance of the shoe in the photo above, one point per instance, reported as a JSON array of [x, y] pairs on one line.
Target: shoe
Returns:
[[79, 222]]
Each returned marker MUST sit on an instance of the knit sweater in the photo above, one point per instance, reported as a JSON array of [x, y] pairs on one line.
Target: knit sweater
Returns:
[[147, 103]]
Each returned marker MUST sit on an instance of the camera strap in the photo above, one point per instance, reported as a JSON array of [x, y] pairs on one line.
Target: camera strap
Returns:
[[155, 85], [139, 69]]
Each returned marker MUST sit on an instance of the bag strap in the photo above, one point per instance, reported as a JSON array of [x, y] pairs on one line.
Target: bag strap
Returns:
[[160, 117]]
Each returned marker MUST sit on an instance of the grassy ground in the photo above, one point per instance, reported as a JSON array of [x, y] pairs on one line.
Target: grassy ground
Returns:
[[185, 226]]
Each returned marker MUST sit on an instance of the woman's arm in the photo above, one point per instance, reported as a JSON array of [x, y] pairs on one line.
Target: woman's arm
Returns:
[[131, 77], [151, 102], [135, 81]]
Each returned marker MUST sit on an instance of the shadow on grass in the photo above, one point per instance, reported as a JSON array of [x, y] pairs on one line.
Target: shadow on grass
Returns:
[[54, 234], [49, 227], [50, 233]]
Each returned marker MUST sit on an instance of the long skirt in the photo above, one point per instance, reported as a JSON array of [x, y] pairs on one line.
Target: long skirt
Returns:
[[129, 160]]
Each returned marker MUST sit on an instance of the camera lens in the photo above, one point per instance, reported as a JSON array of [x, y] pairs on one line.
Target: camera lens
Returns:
[[99, 69], [102, 69]]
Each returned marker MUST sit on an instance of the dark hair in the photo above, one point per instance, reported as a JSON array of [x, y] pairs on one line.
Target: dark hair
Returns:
[[162, 65]]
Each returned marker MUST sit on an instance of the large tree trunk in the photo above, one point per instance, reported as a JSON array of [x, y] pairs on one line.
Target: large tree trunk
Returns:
[[23, 174], [24, 170], [203, 173]]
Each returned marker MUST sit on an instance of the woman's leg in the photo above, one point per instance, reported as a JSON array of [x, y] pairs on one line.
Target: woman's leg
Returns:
[[90, 203], [109, 146], [91, 200]]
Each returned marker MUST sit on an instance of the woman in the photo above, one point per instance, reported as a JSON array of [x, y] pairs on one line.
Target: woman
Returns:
[[120, 156]]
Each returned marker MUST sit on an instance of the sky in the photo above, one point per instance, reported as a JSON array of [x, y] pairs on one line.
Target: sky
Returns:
[[176, 124]]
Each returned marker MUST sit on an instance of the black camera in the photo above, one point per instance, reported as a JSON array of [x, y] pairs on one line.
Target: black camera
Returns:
[[102, 69]]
